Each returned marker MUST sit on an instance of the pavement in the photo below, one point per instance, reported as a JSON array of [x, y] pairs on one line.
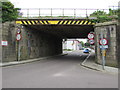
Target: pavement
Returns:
[[28, 61], [88, 63]]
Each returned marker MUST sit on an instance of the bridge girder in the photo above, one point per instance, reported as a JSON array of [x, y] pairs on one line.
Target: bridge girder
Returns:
[[64, 28]]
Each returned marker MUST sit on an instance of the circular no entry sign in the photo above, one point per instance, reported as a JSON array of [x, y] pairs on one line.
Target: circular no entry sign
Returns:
[[18, 37], [103, 41], [90, 36]]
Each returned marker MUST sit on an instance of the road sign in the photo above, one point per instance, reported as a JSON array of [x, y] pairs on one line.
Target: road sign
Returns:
[[18, 37], [18, 31], [4, 43], [91, 41], [105, 46], [103, 41], [90, 36]]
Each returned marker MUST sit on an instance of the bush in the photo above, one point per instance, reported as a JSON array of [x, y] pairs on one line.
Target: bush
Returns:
[[9, 13]]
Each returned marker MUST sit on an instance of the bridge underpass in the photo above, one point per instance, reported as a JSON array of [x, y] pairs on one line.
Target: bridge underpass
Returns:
[[46, 35], [42, 40]]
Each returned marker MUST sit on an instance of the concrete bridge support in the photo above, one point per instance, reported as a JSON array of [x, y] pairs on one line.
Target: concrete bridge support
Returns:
[[118, 34], [33, 44], [111, 33]]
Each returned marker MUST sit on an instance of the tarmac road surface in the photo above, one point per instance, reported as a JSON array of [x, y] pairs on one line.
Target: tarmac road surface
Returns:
[[58, 72]]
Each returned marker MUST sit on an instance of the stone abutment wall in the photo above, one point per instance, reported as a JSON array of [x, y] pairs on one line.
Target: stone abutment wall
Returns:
[[110, 32], [33, 44]]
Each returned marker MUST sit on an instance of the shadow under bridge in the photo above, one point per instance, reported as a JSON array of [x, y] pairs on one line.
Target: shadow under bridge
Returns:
[[64, 28]]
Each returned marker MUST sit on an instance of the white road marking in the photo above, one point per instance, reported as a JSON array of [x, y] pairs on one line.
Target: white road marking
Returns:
[[86, 58]]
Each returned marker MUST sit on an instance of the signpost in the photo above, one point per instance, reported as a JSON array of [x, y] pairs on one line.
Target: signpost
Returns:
[[4, 43], [18, 31], [91, 41], [103, 42], [90, 36], [18, 38], [105, 46]]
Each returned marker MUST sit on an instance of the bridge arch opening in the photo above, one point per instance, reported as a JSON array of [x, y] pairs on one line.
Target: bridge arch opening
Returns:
[[45, 38]]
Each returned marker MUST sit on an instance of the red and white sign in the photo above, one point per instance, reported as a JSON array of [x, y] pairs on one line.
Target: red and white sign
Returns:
[[4, 43], [91, 41], [90, 36], [103, 41], [18, 37]]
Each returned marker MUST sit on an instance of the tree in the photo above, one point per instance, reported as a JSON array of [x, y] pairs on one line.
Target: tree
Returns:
[[103, 16], [96, 13], [9, 13], [87, 44], [82, 43]]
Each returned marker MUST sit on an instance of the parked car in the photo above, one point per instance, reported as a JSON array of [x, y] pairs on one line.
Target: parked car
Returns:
[[89, 49], [86, 51]]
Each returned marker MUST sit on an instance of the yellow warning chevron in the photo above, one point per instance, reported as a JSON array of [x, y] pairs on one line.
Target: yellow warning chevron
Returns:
[[65, 22], [25, 22], [45, 22], [33, 22], [77, 22], [73, 22], [55, 22], [69, 22], [85, 22], [29, 22]]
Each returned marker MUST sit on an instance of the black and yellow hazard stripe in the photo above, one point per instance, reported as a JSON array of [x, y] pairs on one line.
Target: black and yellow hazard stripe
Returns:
[[75, 22], [55, 22]]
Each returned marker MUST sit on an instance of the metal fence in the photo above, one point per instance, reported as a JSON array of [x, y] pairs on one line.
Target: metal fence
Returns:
[[58, 12]]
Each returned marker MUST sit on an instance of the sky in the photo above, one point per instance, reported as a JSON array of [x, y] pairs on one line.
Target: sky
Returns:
[[101, 4], [89, 4]]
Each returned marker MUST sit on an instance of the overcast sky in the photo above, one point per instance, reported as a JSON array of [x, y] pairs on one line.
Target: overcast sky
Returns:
[[101, 4]]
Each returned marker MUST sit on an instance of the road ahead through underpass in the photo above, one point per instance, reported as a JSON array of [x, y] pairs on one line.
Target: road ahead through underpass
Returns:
[[59, 72]]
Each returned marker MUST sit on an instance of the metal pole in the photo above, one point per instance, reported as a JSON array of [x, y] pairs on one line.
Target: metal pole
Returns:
[[51, 12], [18, 50], [103, 51], [39, 12], [66, 45], [86, 14], [74, 13], [27, 12], [63, 12]]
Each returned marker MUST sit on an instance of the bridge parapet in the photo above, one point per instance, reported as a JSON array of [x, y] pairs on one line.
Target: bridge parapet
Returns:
[[57, 12]]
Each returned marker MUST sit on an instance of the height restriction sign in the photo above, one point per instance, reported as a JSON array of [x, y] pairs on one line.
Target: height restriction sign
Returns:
[[103, 41], [90, 36]]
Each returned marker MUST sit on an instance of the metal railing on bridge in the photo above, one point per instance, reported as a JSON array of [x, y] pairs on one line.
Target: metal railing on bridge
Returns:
[[57, 12]]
